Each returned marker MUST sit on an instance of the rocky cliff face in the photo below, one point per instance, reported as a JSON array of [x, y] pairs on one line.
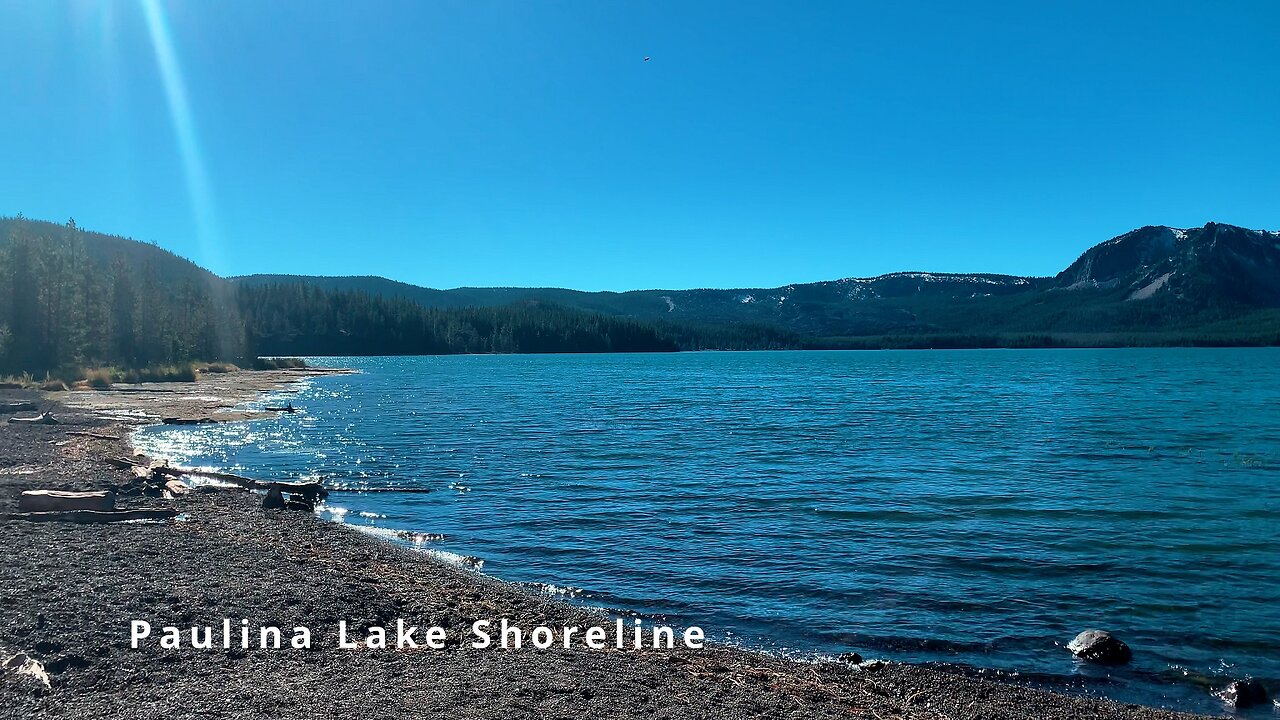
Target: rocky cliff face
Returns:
[[1213, 263]]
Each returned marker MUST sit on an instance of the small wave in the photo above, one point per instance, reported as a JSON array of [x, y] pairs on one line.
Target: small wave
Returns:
[[400, 536], [566, 591], [467, 562]]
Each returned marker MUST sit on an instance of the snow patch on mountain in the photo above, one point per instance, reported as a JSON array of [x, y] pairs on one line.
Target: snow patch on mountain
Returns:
[[940, 277]]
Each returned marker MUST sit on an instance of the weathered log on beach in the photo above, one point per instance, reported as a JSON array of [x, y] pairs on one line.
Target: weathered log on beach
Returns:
[[178, 471], [43, 418], [93, 516], [302, 504], [94, 435], [1101, 647], [311, 488], [60, 500], [187, 421], [10, 407], [120, 462], [176, 487]]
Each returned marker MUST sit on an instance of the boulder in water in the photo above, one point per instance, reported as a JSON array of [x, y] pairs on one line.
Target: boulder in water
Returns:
[[1244, 693], [1100, 646]]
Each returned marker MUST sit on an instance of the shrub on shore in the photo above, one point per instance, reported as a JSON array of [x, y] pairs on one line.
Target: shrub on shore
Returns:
[[278, 363], [16, 382], [99, 379], [184, 372]]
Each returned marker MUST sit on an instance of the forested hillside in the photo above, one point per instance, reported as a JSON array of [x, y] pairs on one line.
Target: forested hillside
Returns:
[[70, 298], [73, 297]]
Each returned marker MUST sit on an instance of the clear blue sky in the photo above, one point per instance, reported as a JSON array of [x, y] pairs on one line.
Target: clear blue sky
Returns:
[[528, 143]]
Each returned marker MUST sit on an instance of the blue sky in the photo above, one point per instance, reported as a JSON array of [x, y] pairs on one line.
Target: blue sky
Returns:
[[528, 143]]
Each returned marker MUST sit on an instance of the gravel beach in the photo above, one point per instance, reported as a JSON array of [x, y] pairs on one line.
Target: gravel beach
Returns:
[[68, 592]]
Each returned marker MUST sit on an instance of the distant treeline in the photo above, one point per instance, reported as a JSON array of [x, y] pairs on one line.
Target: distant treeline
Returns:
[[304, 320], [1261, 332]]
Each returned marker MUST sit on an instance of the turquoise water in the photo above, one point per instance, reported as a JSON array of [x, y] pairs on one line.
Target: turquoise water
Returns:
[[969, 507]]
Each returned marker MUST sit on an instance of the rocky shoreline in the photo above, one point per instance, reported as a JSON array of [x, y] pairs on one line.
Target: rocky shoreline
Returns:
[[69, 591]]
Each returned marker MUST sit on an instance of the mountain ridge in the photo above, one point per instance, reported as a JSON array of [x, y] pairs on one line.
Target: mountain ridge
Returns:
[[1119, 240], [1198, 270]]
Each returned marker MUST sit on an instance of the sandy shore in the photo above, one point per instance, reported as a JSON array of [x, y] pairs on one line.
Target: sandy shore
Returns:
[[68, 593]]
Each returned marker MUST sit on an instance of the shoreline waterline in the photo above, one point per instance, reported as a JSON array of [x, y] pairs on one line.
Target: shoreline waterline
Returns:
[[519, 584]]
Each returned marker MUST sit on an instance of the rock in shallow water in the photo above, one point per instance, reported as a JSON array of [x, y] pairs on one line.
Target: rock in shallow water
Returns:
[[1100, 646], [1244, 693]]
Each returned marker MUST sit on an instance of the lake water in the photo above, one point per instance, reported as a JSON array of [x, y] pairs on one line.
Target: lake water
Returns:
[[968, 507]]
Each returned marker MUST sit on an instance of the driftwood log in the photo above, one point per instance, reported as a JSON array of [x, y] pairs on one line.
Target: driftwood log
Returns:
[[187, 421], [311, 489], [43, 418], [35, 501], [121, 462], [93, 516], [94, 435], [175, 471], [10, 407]]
